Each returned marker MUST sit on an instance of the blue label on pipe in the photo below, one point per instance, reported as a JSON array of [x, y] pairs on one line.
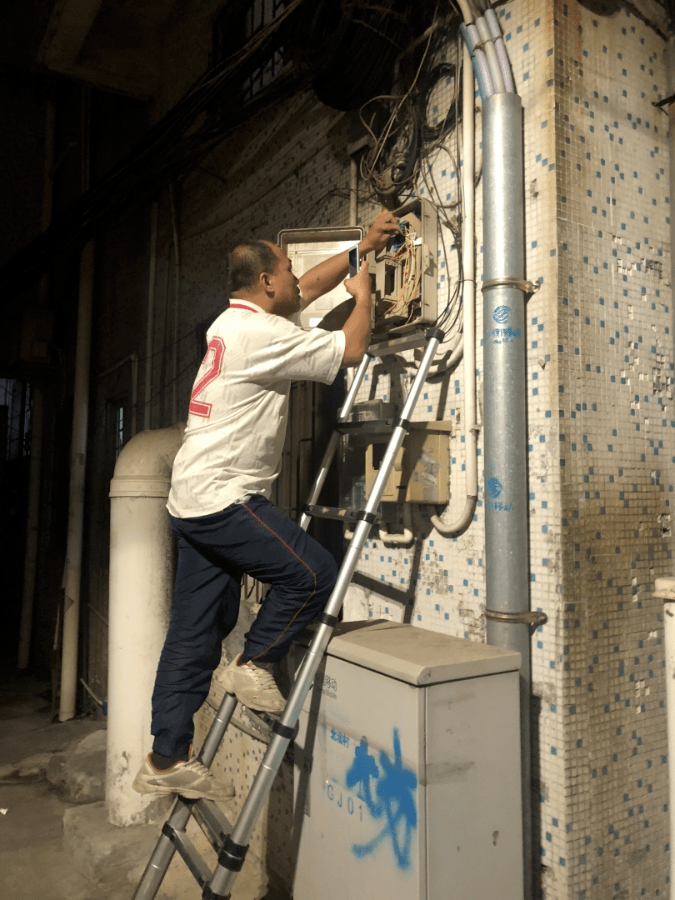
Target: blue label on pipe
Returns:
[[503, 335], [498, 506], [494, 487], [501, 314]]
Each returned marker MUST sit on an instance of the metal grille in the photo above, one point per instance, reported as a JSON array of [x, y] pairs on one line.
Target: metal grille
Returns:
[[237, 25], [14, 418]]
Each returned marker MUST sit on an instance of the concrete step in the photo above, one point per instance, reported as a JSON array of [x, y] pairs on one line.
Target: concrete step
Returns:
[[78, 772]]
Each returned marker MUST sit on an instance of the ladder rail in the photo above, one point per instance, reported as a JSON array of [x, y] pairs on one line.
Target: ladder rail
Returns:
[[213, 823], [232, 847], [186, 850], [165, 848], [163, 853], [230, 861], [331, 449]]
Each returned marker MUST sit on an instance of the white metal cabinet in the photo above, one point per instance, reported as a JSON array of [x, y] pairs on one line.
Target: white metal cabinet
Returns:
[[407, 778]]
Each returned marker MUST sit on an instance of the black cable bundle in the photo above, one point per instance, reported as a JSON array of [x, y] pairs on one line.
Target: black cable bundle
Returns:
[[350, 48]]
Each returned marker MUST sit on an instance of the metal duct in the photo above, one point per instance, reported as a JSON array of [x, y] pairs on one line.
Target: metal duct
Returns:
[[506, 490]]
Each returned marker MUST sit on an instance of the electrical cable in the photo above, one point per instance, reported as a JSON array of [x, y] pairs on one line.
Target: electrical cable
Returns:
[[391, 143]]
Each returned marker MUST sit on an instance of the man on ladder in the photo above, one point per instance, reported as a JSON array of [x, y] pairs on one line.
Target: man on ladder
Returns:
[[219, 507]]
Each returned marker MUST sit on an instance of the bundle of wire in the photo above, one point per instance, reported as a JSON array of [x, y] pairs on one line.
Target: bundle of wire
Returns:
[[404, 151], [411, 275]]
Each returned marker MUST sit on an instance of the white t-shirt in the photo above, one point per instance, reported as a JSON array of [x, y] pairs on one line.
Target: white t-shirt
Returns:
[[239, 406]]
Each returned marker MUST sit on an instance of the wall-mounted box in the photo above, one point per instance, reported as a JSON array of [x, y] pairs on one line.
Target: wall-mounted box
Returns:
[[405, 272], [421, 471]]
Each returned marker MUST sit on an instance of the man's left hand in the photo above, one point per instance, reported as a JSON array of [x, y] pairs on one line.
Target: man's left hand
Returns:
[[379, 233]]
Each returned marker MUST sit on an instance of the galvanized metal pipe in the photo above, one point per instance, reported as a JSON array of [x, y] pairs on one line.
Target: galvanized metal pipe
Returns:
[[506, 492]]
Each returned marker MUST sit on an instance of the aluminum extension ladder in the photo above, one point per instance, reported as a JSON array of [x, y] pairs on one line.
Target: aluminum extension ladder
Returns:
[[230, 842]]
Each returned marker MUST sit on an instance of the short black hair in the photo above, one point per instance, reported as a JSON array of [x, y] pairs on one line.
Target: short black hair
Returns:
[[247, 261]]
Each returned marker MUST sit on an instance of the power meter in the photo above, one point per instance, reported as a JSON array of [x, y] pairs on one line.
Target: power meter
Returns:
[[405, 272]]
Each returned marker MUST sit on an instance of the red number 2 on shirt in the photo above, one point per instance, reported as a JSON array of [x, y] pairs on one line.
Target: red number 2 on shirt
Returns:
[[216, 351]]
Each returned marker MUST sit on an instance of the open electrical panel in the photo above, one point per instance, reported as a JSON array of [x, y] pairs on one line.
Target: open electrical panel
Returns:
[[404, 282], [306, 248], [404, 275]]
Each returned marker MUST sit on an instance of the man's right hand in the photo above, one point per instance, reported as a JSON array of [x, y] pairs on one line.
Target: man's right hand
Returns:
[[357, 326], [359, 285]]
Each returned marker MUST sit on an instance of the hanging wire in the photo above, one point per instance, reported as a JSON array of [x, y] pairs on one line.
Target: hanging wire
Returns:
[[404, 152]]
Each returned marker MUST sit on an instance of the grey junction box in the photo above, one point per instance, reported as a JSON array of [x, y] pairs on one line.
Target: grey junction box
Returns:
[[407, 769]]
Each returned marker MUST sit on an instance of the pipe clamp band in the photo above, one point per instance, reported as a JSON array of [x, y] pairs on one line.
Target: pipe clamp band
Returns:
[[437, 333], [530, 617], [527, 287]]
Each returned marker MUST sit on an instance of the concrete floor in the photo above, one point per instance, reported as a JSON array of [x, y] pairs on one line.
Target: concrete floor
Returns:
[[34, 862]]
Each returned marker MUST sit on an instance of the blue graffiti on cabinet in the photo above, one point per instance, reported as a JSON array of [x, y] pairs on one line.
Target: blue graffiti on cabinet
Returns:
[[394, 798]]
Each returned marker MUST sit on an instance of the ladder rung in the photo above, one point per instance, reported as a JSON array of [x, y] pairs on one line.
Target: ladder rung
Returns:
[[332, 512], [386, 348], [200, 871], [367, 426], [212, 821]]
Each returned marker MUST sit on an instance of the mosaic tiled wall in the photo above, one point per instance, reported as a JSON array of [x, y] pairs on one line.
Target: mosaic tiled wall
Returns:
[[600, 421], [615, 420]]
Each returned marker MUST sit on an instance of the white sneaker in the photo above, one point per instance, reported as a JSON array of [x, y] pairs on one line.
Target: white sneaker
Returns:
[[188, 779], [253, 685]]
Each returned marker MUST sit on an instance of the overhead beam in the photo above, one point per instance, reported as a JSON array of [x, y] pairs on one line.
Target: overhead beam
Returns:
[[63, 49], [69, 24]]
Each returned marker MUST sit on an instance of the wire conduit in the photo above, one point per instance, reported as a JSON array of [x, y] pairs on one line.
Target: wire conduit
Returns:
[[491, 56], [502, 55], [469, 296], [504, 367]]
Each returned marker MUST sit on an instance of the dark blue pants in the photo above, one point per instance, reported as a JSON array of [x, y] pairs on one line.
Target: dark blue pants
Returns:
[[214, 551]]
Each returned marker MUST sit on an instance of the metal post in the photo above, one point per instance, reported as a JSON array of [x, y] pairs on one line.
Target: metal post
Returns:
[[78, 458]]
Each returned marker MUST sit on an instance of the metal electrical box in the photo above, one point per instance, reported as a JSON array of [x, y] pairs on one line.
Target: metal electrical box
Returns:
[[407, 769]]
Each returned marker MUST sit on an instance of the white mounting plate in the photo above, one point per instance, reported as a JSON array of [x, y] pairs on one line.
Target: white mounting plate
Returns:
[[307, 247]]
